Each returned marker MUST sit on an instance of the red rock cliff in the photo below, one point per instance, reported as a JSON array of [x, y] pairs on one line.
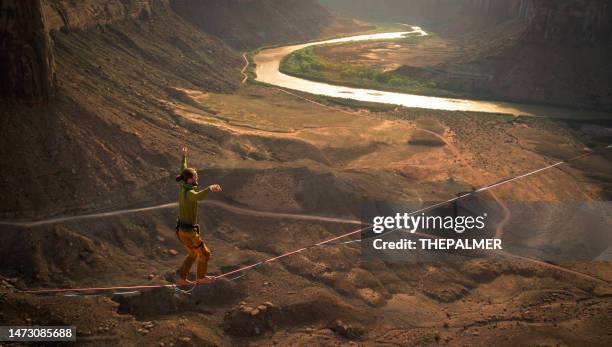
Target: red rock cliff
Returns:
[[26, 55]]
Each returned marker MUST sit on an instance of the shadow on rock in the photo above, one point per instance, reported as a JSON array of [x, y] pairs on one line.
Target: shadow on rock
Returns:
[[164, 301], [246, 320]]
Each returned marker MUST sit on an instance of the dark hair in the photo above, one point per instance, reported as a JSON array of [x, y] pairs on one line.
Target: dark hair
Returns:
[[186, 174]]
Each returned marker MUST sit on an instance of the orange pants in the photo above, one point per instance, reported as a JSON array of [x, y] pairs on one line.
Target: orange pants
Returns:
[[196, 249]]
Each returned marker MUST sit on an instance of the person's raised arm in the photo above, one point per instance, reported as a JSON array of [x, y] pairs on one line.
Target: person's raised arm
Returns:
[[184, 160]]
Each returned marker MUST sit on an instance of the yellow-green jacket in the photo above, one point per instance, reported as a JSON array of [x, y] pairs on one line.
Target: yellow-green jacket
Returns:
[[188, 199]]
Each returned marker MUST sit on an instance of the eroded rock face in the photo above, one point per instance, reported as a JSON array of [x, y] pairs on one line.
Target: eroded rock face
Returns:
[[26, 54], [83, 14], [569, 21]]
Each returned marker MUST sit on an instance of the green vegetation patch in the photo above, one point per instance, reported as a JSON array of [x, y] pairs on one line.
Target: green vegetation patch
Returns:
[[305, 63]]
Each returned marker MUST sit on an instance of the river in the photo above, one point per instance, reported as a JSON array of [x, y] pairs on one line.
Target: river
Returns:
[[267, 70]]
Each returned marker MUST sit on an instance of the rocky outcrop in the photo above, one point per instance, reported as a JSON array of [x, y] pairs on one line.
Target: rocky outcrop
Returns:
[[26, 54], [163, 301], [248, 24], [246, 321]]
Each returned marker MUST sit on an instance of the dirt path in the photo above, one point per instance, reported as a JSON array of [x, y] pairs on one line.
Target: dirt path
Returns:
[[246, 66]]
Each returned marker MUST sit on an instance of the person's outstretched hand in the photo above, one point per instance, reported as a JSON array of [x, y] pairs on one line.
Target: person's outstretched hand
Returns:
[[215, 188]]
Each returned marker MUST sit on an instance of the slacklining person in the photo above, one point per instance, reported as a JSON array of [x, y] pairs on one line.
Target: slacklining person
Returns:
[[187, 228]]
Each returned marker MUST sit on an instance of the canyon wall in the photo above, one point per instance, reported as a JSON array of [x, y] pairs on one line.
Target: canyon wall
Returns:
[[26, 48], [83, 14], [543, 20], [246, 24], [569, 21], [243, 24], [26, 57]]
